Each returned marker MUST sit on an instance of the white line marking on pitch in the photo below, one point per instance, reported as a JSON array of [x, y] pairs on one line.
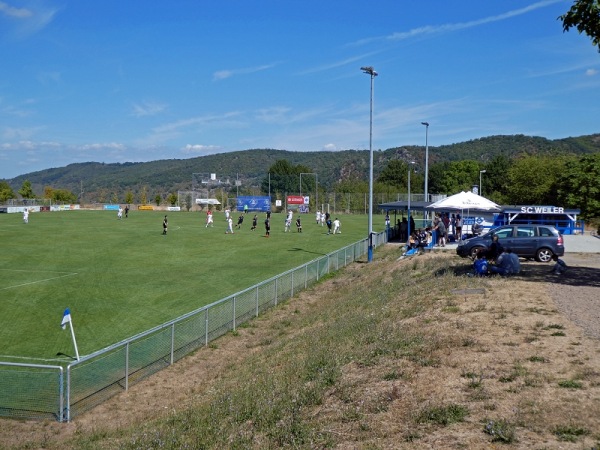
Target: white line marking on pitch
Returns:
[[37, 281]]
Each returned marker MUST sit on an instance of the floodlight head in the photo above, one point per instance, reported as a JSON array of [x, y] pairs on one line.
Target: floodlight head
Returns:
[[483, 171], [369, 70], [425, 123]]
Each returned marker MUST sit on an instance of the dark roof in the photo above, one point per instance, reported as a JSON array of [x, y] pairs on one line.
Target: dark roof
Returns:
[[403, 204]]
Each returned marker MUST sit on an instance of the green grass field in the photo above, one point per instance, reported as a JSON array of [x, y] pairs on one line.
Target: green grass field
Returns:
[[121, 277]]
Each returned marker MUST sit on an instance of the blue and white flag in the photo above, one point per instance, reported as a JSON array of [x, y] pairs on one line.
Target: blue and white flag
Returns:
[[66, 319]]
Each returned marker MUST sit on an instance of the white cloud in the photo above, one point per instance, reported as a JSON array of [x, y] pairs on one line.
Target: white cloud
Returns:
[[223, 74], [27, 21], [11, 11], [148, 109], [329, 148], [199, 149], [450, 27], [591, 72]]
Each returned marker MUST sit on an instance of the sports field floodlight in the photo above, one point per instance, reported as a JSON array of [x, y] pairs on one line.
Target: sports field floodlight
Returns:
[[426, 160], [410, 169], [370, 71], [480, 187]]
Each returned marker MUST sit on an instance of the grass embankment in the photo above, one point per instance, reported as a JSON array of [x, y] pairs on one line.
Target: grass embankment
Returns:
[[393, 354]]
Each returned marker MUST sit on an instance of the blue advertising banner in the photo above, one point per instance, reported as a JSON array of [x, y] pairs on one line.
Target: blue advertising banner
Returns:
[[254, 203]]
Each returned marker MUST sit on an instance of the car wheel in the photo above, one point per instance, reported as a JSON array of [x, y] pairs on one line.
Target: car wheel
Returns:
[[474, 252], [544, 255]]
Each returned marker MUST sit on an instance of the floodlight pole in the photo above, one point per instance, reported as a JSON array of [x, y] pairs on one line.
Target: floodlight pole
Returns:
[[426, 160], [480, 188], [369, 70], [408, 227]]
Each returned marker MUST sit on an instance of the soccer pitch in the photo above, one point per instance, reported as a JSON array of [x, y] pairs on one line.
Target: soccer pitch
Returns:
[[122, 277]]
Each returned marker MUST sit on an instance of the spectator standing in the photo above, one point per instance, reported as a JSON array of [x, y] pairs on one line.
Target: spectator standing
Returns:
[[458, 225], [403, 228]]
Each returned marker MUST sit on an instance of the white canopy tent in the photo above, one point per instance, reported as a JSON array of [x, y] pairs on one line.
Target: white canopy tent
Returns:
[[470, 202], [465, 200]]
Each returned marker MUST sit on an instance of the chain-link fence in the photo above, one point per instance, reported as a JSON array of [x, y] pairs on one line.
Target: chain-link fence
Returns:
[[40, 392]]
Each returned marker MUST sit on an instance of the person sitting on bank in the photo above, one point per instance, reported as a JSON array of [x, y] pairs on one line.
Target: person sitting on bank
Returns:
[[481, 264], [503, 266], [495, 249], [560, 266]]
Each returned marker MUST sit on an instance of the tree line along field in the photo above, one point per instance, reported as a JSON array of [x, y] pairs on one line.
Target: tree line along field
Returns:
[[122, 277]]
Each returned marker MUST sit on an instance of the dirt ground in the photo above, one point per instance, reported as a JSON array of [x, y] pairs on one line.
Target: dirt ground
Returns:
[[575, 294]]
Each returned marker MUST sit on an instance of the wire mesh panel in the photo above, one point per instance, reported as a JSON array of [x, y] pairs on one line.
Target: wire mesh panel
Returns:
[[220, 318], [267, 295], [30, 392], [93, 381], [189, 335], [284, 287], [245, 306]]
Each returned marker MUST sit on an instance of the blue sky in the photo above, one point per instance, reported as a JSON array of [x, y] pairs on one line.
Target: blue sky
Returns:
[[117, 81]]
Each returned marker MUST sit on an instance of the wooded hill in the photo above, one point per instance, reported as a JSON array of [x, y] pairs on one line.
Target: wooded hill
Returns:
[[250, 167]]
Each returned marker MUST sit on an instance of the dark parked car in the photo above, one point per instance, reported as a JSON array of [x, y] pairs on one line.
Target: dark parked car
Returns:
[[527, 241]]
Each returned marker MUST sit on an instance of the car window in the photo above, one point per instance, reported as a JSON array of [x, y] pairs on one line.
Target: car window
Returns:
[[546, 232], [525, 231], [504, 232]]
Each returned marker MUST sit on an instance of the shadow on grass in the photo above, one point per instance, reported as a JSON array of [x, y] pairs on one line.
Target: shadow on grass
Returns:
[[296, 249], [540, 272]]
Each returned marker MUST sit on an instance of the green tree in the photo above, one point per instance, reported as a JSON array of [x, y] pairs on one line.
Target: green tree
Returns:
[[585, 16], [188, 201], [144, 196], [578, 185], [59, 195], [454, 177], [6, 191], [26, 190], [157, 199], [284, 178], [534, 180], [172, 199], [495, 180], [395, 174], [129, 197]]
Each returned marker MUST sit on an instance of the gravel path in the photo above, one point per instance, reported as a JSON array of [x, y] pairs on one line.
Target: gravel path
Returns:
[[577, 291]]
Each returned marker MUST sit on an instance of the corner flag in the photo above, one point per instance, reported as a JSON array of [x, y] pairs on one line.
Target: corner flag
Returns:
[[66, 319]]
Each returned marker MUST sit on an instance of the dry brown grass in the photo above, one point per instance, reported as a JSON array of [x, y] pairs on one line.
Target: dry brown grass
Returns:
[[449, 361]]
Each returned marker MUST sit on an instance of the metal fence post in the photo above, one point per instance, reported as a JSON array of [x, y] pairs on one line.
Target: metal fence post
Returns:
[[172, 342], [206, 326], [256, 301], [127, 366], [233, 312]]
